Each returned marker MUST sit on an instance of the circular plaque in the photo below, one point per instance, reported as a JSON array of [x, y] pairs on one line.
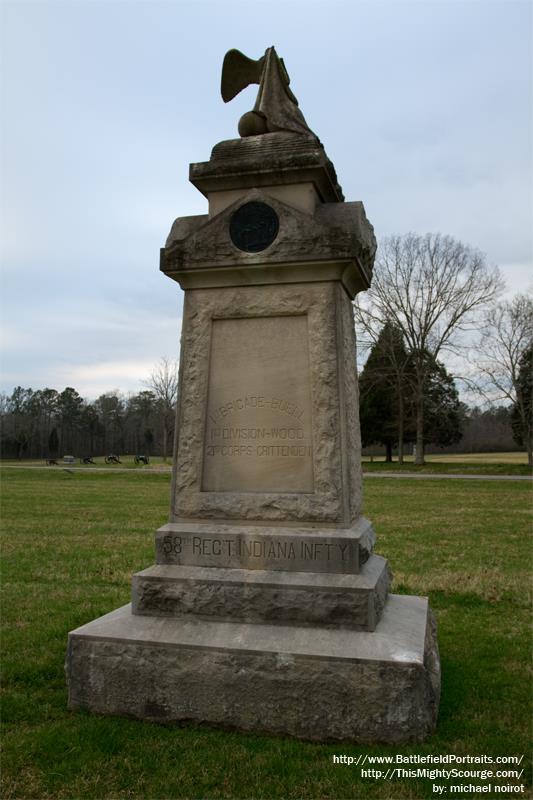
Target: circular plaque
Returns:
[[253, 227]]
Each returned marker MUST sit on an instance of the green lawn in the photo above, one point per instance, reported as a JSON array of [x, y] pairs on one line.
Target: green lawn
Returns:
[[126, 462], [452, 465], [71, 541], [514, 457]]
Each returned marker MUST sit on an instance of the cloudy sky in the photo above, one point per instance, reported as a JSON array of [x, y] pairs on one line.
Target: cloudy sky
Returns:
[[424, 107]]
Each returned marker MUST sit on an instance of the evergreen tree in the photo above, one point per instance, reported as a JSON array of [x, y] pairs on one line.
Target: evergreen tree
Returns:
[[522, 409], [53, 442], [382, 391], [388, 396], [443, 412]]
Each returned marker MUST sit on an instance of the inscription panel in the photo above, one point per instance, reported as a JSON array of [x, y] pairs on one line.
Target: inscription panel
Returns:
[[316, 302], [258, 434], [296, 553]]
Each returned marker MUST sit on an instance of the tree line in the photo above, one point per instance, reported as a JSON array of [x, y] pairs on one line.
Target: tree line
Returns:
[[46, 423], [431, 296]]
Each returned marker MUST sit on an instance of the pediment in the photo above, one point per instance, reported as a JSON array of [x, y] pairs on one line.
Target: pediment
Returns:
[[301, 237], [336, 242]]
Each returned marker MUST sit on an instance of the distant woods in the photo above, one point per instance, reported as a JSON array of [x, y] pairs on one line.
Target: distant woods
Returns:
[[431, 296], [46, 423]]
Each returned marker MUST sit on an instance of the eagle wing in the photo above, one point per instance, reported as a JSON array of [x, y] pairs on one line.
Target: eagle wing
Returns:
[[238, 72]]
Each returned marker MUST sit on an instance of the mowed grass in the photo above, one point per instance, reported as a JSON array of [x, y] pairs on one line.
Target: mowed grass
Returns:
[[126, 462], [460, 464], [515, 457], [70, 544]]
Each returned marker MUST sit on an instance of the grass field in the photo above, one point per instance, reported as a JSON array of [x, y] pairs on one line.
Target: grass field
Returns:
[[460, 463], [71, 541], [480, 458], [126, 462], [465, 458]]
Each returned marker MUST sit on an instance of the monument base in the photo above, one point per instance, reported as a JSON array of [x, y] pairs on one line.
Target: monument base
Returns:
[[265, 596], [307, 682]]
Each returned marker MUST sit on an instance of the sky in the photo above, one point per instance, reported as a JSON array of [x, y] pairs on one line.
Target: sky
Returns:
[[424, 106]]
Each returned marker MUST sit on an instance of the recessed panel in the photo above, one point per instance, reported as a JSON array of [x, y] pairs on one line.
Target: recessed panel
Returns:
[[258, 425]]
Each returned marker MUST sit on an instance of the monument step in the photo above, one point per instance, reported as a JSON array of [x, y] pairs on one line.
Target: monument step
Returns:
[[298, 598], [305, 682], [266, 547]]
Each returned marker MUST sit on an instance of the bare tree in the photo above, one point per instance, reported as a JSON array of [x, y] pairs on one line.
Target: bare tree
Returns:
[[163, 382], [432, 288], [507, 336]]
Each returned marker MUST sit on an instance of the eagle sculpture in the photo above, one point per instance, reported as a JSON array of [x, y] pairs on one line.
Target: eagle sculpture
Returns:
[[276, 107]]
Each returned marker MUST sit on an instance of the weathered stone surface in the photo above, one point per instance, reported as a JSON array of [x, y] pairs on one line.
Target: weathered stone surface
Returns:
[[270, 159], [336, 494], [310, 683], [302, 598], [260, 440], [349, 402], [335, 243], [295, 549], [299, 195]]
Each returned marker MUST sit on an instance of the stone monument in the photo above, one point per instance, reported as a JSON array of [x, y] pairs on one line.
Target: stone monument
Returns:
[[267, 609]]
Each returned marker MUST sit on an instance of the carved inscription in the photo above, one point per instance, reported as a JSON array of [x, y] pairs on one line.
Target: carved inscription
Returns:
[[240, 551], [243, 442], [258, 424], [259, 402]]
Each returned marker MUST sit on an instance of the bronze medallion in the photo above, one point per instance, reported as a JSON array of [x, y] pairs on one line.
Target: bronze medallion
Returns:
[[253, 227]]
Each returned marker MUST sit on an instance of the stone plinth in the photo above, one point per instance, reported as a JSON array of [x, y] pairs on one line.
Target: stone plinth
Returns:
[[272, 160], [312, 683], [266, 609], [300, 598]]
